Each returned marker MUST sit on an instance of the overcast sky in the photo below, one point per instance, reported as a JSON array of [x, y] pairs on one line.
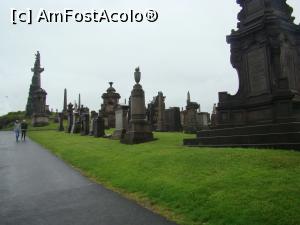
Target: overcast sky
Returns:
[[185, 50]]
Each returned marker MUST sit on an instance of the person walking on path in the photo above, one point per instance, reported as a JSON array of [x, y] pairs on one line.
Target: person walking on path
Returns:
[[17, 129], [24, 127]]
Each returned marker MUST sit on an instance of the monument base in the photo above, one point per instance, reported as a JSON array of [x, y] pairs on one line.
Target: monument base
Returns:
[[118, 134], [275, 136], [40, 120], [139, 132]]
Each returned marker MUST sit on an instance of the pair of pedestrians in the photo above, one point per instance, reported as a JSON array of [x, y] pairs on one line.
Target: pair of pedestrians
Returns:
[[20, 127]]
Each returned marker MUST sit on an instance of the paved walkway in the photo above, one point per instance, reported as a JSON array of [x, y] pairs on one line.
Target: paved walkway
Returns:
[[36, 188]]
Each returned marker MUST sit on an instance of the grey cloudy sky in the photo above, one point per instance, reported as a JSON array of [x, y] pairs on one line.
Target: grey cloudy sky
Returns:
[[185, 50]]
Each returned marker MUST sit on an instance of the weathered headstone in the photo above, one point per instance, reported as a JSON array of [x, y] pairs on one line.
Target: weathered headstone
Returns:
[[139, 130], [121, 121], [265, 52]]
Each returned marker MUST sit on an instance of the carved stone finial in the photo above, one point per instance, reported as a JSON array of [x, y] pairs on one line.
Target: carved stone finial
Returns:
[[137, 75]]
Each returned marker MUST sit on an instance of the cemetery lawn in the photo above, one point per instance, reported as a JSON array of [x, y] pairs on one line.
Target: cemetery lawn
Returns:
[[191, 186]]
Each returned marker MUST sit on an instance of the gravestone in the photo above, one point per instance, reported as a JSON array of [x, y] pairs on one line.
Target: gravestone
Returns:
[[139, 130], [265, 111], [94, 116], [61, 121], [190, 122], [99, 127], [172, 119], [69, 118], [121, 121], [85, 121]]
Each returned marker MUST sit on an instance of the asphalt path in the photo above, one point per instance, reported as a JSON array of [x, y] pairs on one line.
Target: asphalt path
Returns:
[[37, 188]]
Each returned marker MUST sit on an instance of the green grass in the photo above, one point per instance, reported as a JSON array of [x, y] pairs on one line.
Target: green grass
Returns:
[[191, 186]]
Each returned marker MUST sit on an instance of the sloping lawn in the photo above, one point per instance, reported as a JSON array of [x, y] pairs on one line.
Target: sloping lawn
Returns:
[[191, 186]]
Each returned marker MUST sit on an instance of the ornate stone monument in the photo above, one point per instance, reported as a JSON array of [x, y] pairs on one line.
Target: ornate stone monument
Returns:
[[109, 106], [139, 130], [84, 121], [36, 104], [265, 51]]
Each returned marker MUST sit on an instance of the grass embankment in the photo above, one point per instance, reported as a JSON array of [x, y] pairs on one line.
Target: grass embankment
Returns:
[[189, 185]]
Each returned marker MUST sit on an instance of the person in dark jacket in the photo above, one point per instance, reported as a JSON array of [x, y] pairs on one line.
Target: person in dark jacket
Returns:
[[24, 127]]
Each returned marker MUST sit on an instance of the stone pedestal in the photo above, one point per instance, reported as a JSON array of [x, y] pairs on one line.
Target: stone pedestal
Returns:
[[139, 129], [121, 122], [39, 120]]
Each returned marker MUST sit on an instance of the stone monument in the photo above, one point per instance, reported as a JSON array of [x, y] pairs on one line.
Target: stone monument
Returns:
[[94, 116], [109, 106], [265, 111], [156, 112], [69, 118], [139, 130], [121, 121], [172, 119], [85, 121], [99, 127], [36, 104]]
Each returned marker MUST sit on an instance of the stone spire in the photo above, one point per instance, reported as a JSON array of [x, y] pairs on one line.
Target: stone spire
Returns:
[[65, 101], [35, 83]]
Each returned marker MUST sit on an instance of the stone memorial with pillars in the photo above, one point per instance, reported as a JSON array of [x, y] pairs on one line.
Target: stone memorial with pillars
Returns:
[[139, 130], [265, 111]]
